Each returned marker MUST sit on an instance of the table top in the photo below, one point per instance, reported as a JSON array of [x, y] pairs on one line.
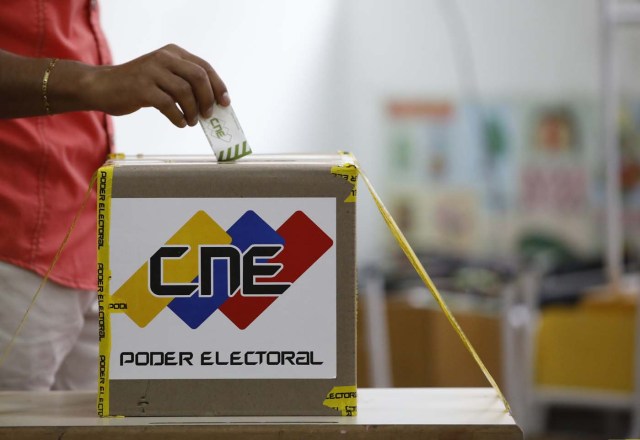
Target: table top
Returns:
[[381, 412]]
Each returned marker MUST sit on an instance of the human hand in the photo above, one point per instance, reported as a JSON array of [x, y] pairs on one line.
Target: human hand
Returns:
[[176, 82]]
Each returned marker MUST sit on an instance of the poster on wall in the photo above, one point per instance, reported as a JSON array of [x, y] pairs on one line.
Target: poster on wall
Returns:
[[476, 178], [629, 136], [450, 168], [419, 142]]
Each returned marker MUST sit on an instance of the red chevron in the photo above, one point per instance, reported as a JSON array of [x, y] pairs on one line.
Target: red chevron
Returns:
[[305, 243]]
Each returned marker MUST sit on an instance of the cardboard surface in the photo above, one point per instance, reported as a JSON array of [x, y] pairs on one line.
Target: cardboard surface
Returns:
[[283, 179], [426, 352]]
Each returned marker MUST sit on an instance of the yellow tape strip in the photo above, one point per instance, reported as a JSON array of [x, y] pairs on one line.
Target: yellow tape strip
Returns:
[[9, 347], [343, 399], [417, 265], [349, 172], [104, 294]]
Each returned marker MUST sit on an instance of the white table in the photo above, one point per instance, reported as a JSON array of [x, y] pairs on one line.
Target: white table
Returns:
[[389, 413]]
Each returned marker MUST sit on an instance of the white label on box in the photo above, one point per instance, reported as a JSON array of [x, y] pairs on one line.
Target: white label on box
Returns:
[[223, 288]]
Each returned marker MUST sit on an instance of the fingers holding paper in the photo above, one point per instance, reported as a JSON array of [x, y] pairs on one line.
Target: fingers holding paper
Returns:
[[177, 83]]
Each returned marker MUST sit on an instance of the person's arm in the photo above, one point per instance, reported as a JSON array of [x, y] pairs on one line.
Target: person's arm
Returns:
[[174, 81]]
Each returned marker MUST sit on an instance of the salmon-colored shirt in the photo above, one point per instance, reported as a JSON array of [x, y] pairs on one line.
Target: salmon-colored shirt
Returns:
[[46, 162]]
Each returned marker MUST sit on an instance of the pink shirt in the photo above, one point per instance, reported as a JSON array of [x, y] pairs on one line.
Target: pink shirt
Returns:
[[46, 162]]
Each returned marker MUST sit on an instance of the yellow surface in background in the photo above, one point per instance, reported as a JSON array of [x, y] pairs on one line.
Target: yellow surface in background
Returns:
[[587, 346]]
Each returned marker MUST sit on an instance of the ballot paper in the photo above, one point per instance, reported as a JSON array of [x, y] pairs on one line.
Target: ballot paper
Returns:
[[225, 134]]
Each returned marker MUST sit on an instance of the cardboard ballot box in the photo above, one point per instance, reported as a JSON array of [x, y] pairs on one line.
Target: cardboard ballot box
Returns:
[[227, 288]]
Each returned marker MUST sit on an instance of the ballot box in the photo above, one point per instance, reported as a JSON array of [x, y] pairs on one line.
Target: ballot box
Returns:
[[227, 289]]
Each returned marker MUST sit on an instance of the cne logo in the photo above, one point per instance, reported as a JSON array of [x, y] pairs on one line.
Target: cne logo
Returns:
[[242, 268], [203, 268], [221, 131]]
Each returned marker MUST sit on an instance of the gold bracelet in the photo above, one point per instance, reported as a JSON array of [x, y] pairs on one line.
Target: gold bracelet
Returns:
[[45, 84]]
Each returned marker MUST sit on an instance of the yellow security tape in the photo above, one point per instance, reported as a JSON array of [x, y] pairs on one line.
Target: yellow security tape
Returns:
[[343, 399], [349, 172], [417, 265], [118, 156], [105, 178]]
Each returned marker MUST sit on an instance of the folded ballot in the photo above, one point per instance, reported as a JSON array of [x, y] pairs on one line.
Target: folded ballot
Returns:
[[225, 134]]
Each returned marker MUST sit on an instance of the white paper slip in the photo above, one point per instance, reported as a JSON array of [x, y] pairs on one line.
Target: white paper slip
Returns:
[[225, 134]]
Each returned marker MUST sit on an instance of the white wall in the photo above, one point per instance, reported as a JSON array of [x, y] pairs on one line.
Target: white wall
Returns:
[[272, 56], [314, 75]]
